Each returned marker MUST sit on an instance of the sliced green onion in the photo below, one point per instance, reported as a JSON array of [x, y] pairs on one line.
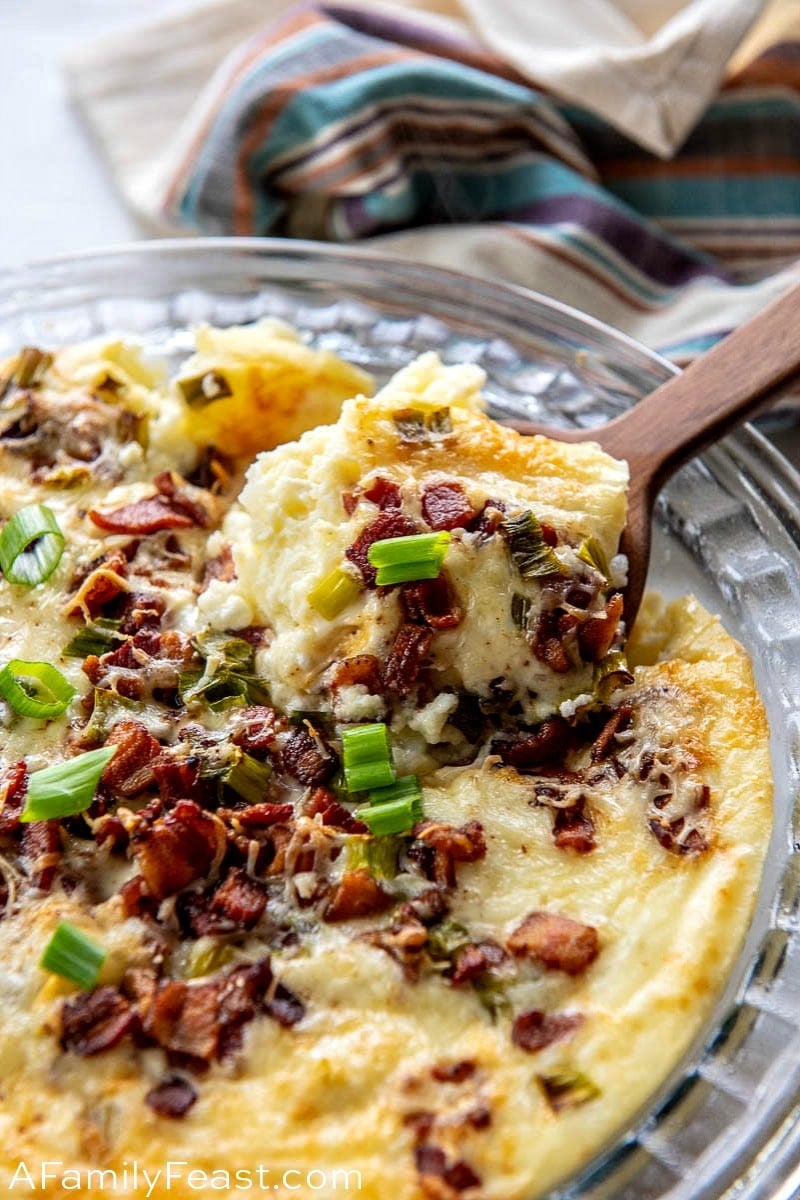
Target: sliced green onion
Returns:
[[35, 689], [567, 1089], [394, 809], [367, 757], [591, 551], [610, 673], [402, 559], [206, 956], [228, 672], [96, 637], [378, 856], [333, 594], [200, 390], [520, 610], [248, 777], [73, 956], [66, 788], [531, 553], [31, 545], [415, 426]]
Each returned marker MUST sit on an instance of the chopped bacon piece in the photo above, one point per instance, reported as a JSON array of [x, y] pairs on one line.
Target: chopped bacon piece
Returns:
[[41, 847], [322, 802], [489, 519], [137, 901], [349, 502], [204, 1021], [573, 829], [670, 835], [404, 660], [548, 638], [95, 1021], [129, 772], [196, 918], [360, 669], [445, 506], [241, 899], [405, 941], [431, 602], [545, 745], [178, 848], [441, 1179], [222, 567], [533, 1030], [555, 941], [389, 524], [110, 831], [213, 472], [143, 610], [428, 907], [357, 895], [260, 816], [475, 959], [619, 720], [98, 584], [167, 484], [307, 757], [383, 492], [143, 516], [13, 787], [175, 778], [255, 727], [454, 1072], [450, 844], [172, 1096], [149, 661], [597, 633]]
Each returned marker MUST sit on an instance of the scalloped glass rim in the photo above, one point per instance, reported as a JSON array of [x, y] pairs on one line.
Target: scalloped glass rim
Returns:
[[728, 1118]]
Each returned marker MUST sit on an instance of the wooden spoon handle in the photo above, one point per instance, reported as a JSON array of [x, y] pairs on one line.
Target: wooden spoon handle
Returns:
[[740, 375]]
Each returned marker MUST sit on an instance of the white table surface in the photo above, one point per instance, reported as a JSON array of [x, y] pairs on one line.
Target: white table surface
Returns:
[[56, 196]]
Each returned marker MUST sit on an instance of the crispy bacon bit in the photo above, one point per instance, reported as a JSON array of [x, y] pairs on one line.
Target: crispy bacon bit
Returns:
[[671, 835], [597, 633], [213, 472], [533, 1030], [195, 916], [110, 831], [404, 660], [175, 778], [431, 602], [95, 1021], [222, 567], [450, 844], [489, 519], [548, 640], [240, 899], [474, 960], [389, 524], [360, 670], [169, 508], [137, 901], [383, 492], [13, 787], [349, 502], [41, 846], [555, 941], [260, 816], [143, 610], [427, 908], [323, 803], [544, 746], [620, 719], [445, 506], [129, 771], [307, 757], [204, 1021], [102, 581], [172, 1096], [357, 895], [441, 1179], [178, 848], [404, 941], [454, 1072], [149, 661], [149, 515], [573, 829], [255, 727]]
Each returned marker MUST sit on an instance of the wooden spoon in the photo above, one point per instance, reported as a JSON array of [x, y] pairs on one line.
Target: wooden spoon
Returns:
[[749, 369]]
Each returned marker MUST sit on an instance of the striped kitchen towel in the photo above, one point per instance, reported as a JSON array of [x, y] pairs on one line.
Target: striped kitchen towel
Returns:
[[374, 124]]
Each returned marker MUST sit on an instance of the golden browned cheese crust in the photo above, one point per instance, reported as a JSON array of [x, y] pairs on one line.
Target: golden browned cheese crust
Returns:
[[563, 975]]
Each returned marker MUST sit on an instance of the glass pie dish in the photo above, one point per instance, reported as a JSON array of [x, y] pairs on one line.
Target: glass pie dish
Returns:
[[727, 1121]]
